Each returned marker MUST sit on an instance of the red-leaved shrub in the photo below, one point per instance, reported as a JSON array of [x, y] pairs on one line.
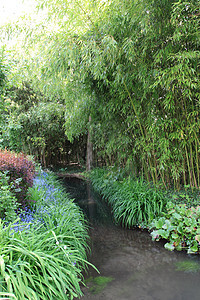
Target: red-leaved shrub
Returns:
[[21, 172]]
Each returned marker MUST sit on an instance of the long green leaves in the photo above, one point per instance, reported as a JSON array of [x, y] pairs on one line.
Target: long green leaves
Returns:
[[133, 201], [45, 259]]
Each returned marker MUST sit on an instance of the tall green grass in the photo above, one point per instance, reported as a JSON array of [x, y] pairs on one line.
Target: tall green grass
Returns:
[[45, 260], [133, 201]]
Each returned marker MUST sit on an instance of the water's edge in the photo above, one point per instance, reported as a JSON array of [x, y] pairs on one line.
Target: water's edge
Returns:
[[131, 265]]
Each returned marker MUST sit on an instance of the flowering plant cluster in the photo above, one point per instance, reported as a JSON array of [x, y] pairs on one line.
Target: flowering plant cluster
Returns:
[[180, 226], [44, 251], [20, 170]]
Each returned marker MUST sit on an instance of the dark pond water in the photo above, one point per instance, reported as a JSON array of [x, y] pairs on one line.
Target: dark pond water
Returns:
[[131, 265]]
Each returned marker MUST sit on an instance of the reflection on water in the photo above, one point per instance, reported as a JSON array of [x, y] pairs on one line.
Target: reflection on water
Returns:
[[141, 269], [95, 209]]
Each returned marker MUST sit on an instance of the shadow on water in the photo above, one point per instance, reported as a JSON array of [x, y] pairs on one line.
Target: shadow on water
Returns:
[[131, 265]]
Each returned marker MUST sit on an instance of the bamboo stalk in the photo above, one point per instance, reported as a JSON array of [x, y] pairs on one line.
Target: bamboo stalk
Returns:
[[197, 163], [192, 163], [155, 164], [188, 164], [162, 178], [184, 177]]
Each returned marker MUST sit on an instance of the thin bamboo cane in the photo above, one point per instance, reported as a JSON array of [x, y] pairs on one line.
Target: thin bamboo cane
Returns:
[[197, 163], [188, 164], [162, 178], [192, 164], [184, 177]]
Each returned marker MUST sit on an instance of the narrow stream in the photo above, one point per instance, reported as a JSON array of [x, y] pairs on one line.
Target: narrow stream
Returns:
[[131, 265]]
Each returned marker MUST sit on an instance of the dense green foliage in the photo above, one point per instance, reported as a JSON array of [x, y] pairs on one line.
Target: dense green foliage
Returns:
[[8, 201], [35, 126], [2, 75], [37, 131], [133, 67], [3, 83], [42, 255], [133, 202]]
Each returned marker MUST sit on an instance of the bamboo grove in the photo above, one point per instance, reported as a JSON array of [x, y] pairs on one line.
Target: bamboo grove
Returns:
[[133, 68]]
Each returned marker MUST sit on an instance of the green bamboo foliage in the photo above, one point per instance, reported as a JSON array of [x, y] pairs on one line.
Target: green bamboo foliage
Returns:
[[133, 66]]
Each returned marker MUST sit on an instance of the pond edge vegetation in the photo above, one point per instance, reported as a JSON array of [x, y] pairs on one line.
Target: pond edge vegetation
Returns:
[[135, 202]]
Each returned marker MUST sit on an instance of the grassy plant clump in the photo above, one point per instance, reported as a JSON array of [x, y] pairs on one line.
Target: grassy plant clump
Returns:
[[43, 253], [133, 201], [58, 211]]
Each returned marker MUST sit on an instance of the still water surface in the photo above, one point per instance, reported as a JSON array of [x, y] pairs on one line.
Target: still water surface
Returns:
[[131, 265]]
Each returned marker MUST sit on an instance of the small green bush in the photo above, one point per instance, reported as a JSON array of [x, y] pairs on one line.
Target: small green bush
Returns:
[[8, 202], [180, 225]]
